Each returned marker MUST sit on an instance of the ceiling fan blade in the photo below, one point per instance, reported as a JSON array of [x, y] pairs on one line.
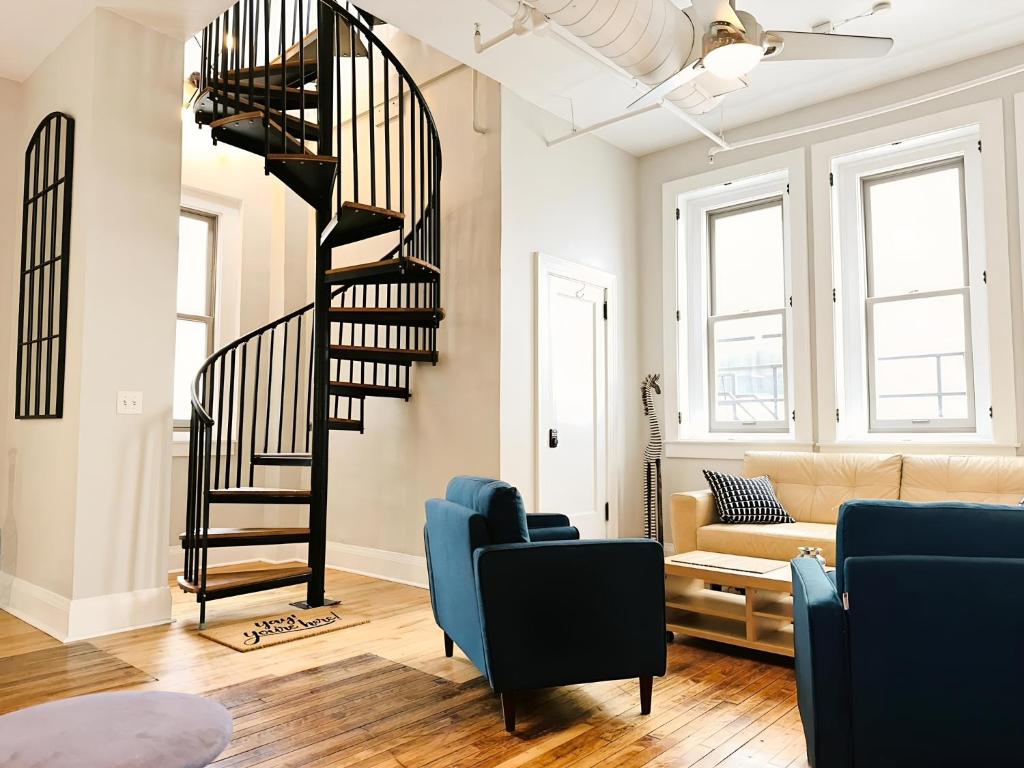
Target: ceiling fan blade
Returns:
[[663, 89], [799, 46], [717, 10]]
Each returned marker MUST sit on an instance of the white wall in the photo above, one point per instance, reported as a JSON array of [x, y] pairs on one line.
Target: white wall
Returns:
[[691, 158], [11, 170], [84, 535], [577, 201]]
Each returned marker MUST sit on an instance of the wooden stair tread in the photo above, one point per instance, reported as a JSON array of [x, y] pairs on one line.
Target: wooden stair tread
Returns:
[[358, 389], [204, 111], [241, 577], [359, 221], [219, 537], [260, 496], [308, 45], [245, 130], [345, 425], [293, 98], [382, 354], [416, 317], [384, 271], [299, 459]]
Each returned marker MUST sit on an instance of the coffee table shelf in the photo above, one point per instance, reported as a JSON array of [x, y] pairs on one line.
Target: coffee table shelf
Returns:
[[761, 618]]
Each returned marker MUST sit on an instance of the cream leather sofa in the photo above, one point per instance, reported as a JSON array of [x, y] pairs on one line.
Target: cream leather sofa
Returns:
[[812, 487]]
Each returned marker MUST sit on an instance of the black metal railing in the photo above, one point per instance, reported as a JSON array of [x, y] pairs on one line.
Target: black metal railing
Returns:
[[312, 70]]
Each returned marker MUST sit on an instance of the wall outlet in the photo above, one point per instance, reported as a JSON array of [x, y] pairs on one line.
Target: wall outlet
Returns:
[[129, 402]]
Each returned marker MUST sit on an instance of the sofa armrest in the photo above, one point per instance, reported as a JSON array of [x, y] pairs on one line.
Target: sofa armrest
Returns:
[[561, 613], [822, 659], [690, 511]]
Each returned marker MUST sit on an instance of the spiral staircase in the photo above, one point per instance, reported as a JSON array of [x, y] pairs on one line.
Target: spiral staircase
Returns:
[[309, 86]]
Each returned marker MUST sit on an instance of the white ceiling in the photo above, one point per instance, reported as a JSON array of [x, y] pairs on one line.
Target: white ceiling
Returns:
[[31, 29], [928, 34]]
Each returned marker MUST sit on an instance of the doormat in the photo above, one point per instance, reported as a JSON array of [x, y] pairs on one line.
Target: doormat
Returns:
[[253, 634]]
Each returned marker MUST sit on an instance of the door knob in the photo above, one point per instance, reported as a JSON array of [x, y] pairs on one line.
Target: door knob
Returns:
[[552, 438]]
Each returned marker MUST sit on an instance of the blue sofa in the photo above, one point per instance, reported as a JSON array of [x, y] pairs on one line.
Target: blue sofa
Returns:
[[534, 607], [909, 654]]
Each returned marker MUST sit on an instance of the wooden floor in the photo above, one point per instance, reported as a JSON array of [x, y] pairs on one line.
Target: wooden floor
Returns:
[[410, 706]]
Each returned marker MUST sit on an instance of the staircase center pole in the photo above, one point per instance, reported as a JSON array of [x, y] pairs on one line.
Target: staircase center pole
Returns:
[[321, 323]]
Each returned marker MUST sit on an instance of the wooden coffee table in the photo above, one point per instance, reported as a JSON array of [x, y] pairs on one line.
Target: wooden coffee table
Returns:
[[761, 619]]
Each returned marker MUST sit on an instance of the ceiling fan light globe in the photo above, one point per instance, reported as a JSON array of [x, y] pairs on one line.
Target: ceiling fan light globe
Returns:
[[733, 59]]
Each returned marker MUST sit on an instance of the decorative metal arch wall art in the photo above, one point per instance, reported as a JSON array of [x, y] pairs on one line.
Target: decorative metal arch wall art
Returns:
[[45, 250]]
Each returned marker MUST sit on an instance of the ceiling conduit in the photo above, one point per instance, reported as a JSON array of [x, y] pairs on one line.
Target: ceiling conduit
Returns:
[[650, 39]]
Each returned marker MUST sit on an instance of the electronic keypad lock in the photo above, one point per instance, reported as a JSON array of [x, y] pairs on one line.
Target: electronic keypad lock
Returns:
[[552, 438]]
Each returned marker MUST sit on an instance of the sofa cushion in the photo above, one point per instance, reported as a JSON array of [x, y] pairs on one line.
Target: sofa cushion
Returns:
[[812, 486], [981, 479], [745, 500], [498, 502], [781, 541]]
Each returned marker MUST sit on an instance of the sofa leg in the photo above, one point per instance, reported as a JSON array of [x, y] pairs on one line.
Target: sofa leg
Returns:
[[646, 687], [448, 646], [508, 710]]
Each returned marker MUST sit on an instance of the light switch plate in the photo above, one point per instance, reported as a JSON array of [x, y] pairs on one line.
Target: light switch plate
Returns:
[[129, 402]]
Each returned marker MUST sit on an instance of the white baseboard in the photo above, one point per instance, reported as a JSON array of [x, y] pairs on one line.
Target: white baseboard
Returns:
[[70, 620], [45, 610], [378, 563], [120, 612]]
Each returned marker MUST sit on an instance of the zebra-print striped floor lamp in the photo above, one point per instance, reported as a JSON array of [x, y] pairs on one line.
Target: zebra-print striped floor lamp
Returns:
[[652, 461]]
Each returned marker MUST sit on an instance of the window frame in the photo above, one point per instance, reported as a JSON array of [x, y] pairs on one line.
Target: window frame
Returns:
[[710, 214], [875, 424], [211, 285], [838, 427]]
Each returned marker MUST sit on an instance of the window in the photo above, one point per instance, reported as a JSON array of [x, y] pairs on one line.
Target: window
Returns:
[[746, 321], [196, 302], [918, 302], [912, 360], [734, 331]]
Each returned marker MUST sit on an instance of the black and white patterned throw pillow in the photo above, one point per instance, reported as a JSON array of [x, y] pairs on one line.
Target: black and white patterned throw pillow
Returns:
[[745, 499]]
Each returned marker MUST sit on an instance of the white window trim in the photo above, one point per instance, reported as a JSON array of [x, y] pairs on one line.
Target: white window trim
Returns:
[[227, 308], [990, 254], [687, 394]]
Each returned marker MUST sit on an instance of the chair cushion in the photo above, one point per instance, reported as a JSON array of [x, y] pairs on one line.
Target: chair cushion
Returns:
[[811, 486], [981, 479], [774, 542], [498, 502]]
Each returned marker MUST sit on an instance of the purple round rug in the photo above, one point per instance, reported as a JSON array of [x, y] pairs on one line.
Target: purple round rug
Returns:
[[116, 730]]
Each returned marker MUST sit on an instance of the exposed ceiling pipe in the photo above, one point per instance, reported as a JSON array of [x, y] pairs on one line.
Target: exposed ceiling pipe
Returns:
[[651, 40]]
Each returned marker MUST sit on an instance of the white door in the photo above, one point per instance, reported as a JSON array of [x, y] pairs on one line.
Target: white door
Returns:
[[572, 427]]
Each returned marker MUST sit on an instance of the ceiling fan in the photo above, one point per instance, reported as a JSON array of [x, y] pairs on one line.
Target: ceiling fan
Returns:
[[733, 43]]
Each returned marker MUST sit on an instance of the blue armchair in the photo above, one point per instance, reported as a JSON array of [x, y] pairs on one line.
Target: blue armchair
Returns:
[[909, 653], [534, 607]]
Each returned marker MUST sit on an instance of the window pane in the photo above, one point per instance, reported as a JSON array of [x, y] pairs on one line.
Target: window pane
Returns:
[[190, 351], [915, 232], [749, 374], [919, 358], [747, 260], [193, 265]]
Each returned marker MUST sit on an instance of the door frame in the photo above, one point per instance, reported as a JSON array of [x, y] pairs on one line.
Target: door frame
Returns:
[[555, 266]]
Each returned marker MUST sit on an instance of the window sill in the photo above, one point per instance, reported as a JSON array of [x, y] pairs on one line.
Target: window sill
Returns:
[[731, 446], [928, 444]]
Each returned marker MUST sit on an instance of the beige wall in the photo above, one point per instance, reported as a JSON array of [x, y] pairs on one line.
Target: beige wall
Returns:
[[83, 537], [691, 158], [576, 201], [380, 480], [11, 170]]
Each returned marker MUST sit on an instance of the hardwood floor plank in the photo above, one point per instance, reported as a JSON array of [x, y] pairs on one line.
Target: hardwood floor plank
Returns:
[[383, 695]]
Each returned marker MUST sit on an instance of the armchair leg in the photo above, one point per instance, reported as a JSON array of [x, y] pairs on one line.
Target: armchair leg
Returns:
[[448, 646], [646, 687], [508, 710]]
